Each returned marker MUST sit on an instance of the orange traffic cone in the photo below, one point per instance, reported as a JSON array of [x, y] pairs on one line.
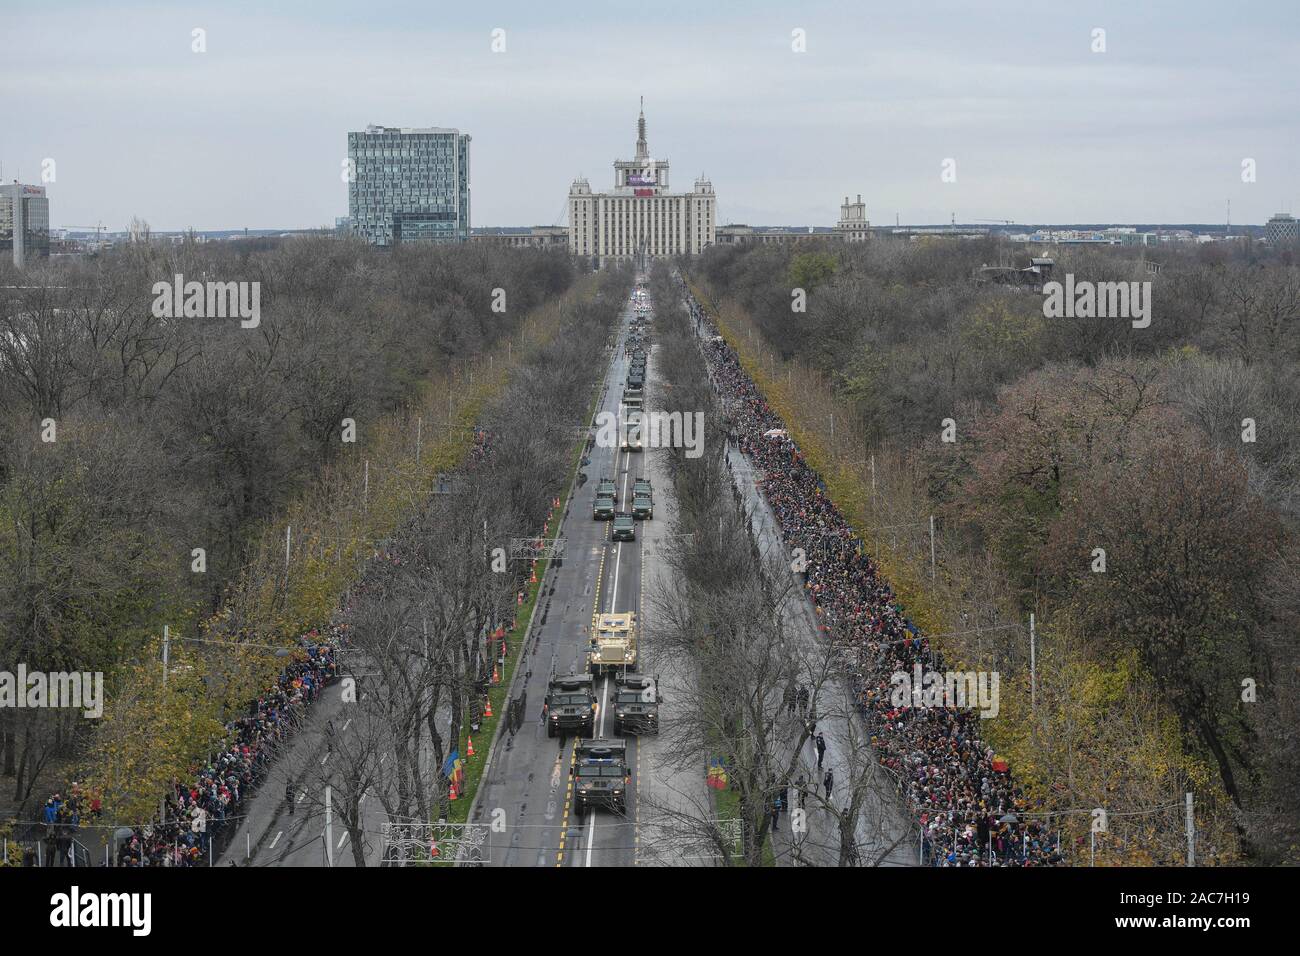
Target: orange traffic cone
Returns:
[[451, 795], [496, 679], [488, 711], [469, 749], [520, 599], [433, 850], [532, 578]]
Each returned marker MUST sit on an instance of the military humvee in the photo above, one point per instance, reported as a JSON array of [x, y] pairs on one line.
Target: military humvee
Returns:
[[636, 704], [601, 775], [571, 706]]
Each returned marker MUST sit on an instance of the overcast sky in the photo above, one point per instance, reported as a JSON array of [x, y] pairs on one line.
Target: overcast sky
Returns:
[[252, 132]]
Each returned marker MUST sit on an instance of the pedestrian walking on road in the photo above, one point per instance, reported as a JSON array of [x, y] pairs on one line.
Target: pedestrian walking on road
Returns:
[[788, 698], [801, 785], [288, 797], [821, 750], [829, 782], [803, 701]]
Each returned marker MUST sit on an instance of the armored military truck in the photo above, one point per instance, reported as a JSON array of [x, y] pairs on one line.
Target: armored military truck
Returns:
[[613, 643]]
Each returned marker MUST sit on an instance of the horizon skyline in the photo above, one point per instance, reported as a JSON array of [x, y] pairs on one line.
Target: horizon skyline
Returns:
[[1042, 129]]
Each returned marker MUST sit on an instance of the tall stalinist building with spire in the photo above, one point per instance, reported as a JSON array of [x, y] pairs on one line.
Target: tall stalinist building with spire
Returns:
[[639, 218]]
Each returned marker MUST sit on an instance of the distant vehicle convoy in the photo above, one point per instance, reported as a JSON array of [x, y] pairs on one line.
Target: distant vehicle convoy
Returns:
[[600, 770]]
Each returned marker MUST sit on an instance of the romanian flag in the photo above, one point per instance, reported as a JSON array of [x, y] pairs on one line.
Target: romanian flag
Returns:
[[717, 778], [452, 768]]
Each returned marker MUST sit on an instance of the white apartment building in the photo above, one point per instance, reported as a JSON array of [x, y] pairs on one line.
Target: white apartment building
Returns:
[[639, 218]]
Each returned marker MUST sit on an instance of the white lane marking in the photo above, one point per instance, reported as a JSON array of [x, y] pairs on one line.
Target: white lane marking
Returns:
[[591, 835], [383, 758], [343, 839], [276, 840], [302, 796], [618, 550], [346, 722], [323, 759], [604, 695]]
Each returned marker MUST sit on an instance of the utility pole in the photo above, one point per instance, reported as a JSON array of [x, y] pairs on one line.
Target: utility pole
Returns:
[[167, 648], [1191, 832], [873, 473], [288, 532], [1033, 668], [365, 487], [932, 559], [329, 825], [419, 432]]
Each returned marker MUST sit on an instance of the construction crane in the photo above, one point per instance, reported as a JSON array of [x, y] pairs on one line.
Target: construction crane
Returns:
[[98, 230]]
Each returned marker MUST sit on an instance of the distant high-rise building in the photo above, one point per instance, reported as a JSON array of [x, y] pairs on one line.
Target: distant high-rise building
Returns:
[[409, 185], [640, 218], [24, 222], [1282, 228], [853, 225]]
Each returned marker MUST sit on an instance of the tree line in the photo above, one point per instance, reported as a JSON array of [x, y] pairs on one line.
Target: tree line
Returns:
[[1134, 488], [143, 457]]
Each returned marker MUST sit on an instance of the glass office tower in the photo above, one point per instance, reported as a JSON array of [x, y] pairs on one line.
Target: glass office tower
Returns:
[[409, 185], [24, 222]]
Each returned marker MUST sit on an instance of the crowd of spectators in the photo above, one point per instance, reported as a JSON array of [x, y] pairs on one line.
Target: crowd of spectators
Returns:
[[196, 811], [965, 801]]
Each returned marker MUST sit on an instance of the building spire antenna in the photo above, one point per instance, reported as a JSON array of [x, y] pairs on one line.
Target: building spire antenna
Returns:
[[642, 150]]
